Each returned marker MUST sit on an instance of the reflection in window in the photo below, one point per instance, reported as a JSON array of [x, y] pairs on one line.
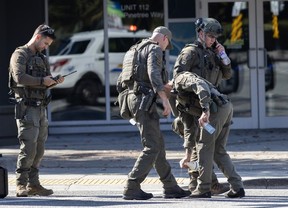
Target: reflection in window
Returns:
[[120, 45], [79, 47], [181, 9]]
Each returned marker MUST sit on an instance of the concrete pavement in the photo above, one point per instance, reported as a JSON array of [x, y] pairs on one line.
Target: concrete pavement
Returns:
[[101, 161]]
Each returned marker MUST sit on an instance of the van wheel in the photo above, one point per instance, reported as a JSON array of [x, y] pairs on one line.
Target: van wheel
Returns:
[[87, 92]]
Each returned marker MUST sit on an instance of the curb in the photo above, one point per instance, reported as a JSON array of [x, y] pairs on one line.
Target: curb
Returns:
[[267, 183]]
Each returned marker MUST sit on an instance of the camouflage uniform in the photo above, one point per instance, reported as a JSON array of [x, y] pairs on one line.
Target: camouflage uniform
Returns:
[[210, 147], [30, 111], [207, 64], [153, 76], [153, 154]]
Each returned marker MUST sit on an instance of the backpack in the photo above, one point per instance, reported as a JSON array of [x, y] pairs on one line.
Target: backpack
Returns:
[[131, 64]]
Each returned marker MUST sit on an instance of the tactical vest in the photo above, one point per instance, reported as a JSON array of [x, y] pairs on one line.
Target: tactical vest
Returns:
[[36, 66], [189, 102], [208, 65], [132, 67]]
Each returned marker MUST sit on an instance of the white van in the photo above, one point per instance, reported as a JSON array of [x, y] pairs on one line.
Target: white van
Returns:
[[84, 52]]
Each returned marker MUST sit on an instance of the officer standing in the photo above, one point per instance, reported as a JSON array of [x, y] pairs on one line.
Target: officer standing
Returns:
[[29, 79], [206, 58], [210, 147], [150, 77]]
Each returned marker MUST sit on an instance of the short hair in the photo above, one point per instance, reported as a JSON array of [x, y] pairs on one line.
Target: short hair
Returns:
[[46, 31]]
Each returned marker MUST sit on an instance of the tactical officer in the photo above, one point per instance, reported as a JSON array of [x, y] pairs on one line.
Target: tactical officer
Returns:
[[210, 147], [29, 79], [149, 78], [207, 58]]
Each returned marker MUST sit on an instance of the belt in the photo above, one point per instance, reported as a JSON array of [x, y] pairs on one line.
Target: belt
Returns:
[[34, 103]]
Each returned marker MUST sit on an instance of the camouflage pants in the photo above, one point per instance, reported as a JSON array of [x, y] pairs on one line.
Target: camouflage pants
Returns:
[[213, 147], [32, 134], [186, 126], [153, 153]]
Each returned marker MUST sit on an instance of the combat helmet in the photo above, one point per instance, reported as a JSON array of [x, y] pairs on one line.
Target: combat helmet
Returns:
[[209, 25]]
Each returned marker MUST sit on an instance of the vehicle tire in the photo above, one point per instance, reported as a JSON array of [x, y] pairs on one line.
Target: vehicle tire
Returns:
[[87, 92]]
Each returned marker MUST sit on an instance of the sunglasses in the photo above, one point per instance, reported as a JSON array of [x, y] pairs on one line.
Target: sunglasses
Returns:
[[49, 31]]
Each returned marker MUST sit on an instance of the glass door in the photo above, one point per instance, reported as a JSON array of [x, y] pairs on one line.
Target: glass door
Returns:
[[272, 56], [238, 20], [254, 36]]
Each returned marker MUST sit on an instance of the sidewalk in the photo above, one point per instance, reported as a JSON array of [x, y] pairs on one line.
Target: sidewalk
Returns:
[[88, 161]]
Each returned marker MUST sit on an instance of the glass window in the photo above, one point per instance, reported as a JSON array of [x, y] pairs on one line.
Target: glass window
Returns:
[[79, 47], [181, 9], [120, 45]]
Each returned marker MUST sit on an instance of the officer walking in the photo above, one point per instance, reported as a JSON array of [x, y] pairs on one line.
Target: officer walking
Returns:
[[29, 79], [206, 58], [210, 147], [150, 77]]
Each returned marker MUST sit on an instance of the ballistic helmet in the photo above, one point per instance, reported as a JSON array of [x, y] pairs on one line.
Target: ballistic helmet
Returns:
[[209, 25]]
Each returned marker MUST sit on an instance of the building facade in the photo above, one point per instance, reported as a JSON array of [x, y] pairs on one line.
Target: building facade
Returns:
[[94, 35]]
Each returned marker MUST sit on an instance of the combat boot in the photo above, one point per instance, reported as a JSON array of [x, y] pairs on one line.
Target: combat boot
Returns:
[[21, 191], [137, 194], [235, 194], [198, 194], [219, 188], [38, 190], [175, 192]]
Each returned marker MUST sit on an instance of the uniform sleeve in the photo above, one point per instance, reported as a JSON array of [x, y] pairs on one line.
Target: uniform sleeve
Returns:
[[190, 83], [186, 60], [154, 67], [18, 68], [226, 70]]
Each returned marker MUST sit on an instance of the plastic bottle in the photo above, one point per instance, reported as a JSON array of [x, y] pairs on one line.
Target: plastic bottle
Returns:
[[224, 57], [193, 165], [209, 128], [132, 121]]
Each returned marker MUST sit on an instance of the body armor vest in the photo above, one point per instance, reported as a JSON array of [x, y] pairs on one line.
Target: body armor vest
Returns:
[[133, 68], [207, 65], [36, 66]]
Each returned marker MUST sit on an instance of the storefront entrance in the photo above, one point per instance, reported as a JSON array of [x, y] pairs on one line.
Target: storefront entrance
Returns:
[[255, 34]]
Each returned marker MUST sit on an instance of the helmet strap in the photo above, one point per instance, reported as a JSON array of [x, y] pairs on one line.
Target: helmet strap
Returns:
[[202, 39]]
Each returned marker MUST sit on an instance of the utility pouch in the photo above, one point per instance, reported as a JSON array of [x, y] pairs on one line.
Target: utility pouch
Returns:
[[47, 100], [213, 107], [148, 97], [20, 110], [219, 99], [123, 104]]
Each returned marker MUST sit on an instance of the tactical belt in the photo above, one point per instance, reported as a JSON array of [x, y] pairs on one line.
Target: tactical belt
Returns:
[[35, 102], [31, 102]]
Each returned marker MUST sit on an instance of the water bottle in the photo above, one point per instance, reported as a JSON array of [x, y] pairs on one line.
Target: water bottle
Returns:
[[224, 57], [193, 165], [209, 128], [132, 121]]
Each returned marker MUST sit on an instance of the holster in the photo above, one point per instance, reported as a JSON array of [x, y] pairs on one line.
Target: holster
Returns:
[[20, 109]]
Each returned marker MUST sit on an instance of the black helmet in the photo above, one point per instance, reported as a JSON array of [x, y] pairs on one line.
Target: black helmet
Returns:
[[209, 25]]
